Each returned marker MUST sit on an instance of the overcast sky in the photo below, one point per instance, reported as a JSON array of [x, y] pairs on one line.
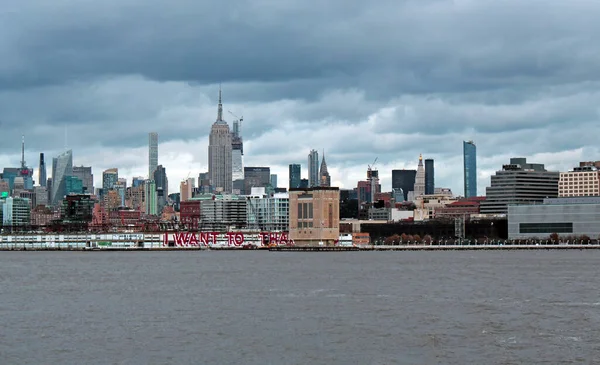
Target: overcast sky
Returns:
[[388, 79]]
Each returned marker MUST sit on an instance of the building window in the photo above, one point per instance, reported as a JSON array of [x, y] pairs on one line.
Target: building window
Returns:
[[546, 228]]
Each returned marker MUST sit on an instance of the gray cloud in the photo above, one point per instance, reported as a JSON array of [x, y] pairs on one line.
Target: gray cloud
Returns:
[[391, 79]]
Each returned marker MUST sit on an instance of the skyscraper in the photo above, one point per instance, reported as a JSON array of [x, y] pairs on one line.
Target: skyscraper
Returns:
[[294, 176], [237, 153], [219, 153], [84, 173], [313, 168], [324, 178], [405, 180], [470, 168], [274, 181], [429, 177], [420, 178], [152, 153], [256, 177], [162, 186], [150, 197], [62, 166], [42, 171], [110, 178]]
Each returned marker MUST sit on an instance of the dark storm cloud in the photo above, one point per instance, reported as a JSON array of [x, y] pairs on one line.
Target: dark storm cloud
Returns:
[[389, 79]]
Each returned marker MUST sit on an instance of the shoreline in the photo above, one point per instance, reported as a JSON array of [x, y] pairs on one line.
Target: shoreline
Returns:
[[312, 248]]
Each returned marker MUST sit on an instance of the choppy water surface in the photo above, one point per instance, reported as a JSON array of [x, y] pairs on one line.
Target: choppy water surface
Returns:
[[300, 308]]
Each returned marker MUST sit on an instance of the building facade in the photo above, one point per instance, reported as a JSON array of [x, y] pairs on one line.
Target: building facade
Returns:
[[519, 183], [295, 176], [429, 177], [110, 178], [84, 173], [313, 168], [404, 180], [581, 181], [237, 156], [256, 177], [219, 153], [268, 214], [314, 215], [15, 212], [420, 178], [470, 168], [152, 153], [324, 178], [151, 199], [567, 217], [42, 177], [62, 166]]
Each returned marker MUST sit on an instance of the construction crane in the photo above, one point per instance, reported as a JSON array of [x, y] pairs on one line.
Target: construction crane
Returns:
[[372, 166], [237, 125], [241, 119]]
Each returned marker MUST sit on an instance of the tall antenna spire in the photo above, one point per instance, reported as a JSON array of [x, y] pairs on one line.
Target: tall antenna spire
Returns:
[[22, 151], [220, 111]]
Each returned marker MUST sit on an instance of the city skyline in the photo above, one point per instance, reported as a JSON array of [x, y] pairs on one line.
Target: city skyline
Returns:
[[394, 107]]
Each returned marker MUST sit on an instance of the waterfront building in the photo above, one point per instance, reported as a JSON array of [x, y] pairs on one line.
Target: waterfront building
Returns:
[[267, 213], [314, 215], [256, 177], [62, 166], [42, 178], [567, 217], [219, 153], [429, 177], [324, 178], [420, 179], [313, 169], [15, 211], [218, 213], [404, 180], [470, 168], [109, 179], [152, 153], [87, 178], [519, 183], [295, 176], [581, 181]]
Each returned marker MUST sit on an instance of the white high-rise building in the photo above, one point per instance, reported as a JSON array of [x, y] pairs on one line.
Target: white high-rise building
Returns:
[[420, 178], [152, 153], [237, 153], [219, 153]]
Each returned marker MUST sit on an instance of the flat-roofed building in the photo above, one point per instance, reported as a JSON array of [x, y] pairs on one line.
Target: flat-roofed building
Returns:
[[314, 215], [567, 217], [581, 181]]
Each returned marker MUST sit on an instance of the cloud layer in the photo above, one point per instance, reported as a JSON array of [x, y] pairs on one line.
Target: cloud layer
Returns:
[[389, 80]]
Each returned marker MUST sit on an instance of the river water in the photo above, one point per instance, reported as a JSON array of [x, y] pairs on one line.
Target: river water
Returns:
[[500, 307]]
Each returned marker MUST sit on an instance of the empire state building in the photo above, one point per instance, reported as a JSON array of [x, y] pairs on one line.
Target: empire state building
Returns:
[[219, 153]]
